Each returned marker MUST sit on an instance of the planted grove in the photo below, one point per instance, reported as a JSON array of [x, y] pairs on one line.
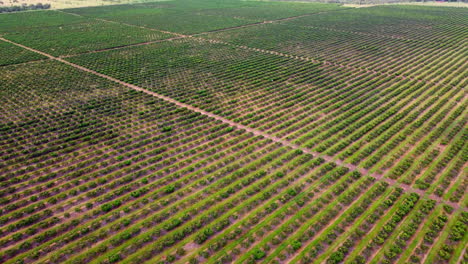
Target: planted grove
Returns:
[[234, 132]]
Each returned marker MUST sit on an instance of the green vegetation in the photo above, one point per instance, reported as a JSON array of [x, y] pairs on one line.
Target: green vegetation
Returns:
[[337, 135], [11, 54], [189, 17], [80, 35]]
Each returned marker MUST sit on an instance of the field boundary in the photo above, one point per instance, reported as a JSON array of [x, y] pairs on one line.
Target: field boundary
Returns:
[[379, 177]]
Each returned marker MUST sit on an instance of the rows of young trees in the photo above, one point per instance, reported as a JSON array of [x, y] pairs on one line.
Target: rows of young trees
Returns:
[[94, 172], [107, 175], [105, 178], [443, 25], [424, 59], [188, 17], [395, 125], [68, 34], [10, 54]]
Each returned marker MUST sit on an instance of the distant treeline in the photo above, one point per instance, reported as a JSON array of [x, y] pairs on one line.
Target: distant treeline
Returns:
[[24, 7]]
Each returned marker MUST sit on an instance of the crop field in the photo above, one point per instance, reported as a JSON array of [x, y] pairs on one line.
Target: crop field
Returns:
[[210, 131]]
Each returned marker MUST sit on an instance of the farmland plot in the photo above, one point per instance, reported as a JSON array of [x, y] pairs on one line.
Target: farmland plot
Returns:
[[12, 22], [350, 114], [370, 51], [66, 34], [188, 17], [10, 54], [312, 139], [444, 26], [99, 149]]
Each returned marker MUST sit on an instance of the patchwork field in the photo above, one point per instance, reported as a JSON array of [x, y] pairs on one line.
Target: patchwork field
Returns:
[[234, 132]]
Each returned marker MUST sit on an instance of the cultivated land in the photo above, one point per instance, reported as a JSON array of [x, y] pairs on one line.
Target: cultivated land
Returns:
[[234, 132]]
